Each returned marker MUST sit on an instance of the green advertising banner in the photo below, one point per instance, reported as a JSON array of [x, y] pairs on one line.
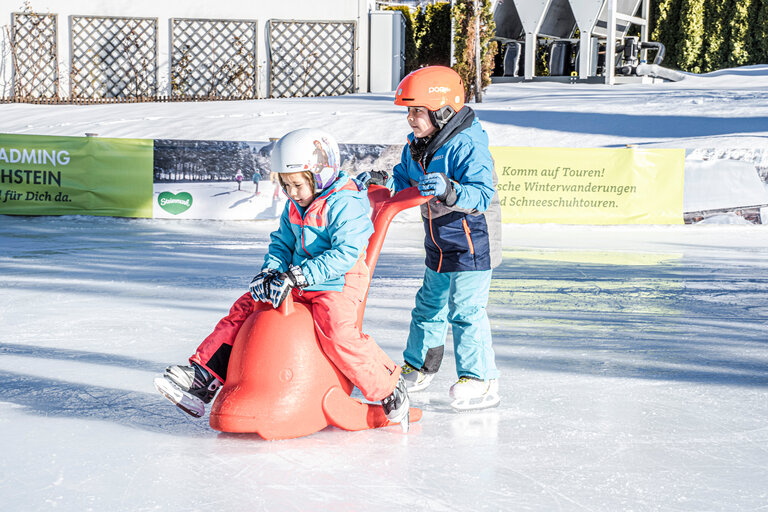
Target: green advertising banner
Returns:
[[48, 175]]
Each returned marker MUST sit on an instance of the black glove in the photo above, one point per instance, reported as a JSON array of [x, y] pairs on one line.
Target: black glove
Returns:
[[259, 285], [368, 178], [280, 285]]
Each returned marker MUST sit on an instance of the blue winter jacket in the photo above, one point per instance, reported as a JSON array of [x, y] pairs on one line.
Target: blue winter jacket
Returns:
[[326, 238], [466, 235]]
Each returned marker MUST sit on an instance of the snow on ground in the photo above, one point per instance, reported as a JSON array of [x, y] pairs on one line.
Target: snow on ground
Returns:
[[727, 108], [634, 360]]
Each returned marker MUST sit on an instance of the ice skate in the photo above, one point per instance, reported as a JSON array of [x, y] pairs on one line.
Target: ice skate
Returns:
[[416, 380], [188, 387], [397, 405], [471, 394]]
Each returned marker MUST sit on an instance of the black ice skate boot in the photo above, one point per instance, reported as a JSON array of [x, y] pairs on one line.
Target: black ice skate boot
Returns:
[[397, 405], [188, 387]]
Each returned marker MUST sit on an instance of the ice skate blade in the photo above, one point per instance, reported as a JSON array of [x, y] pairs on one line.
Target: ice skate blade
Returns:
[[468, 404], [405, 425], [421, 386], [184, 401]]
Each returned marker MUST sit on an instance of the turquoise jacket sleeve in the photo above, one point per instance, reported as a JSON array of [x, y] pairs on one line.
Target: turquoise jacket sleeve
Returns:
[[471, 166], [400, 172], [283, 240], [348, 231]]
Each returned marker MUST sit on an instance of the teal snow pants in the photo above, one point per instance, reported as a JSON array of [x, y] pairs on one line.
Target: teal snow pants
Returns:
[[457, 299]]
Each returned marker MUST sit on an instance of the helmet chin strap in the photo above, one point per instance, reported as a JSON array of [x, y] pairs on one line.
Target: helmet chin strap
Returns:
[[441, 116]]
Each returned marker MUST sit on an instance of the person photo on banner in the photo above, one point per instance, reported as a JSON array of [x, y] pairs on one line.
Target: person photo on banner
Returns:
[[276, 185], [239, 178], [256, 179]]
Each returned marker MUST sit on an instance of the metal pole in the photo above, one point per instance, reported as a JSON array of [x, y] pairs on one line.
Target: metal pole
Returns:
[[478, 60], [610, 45], [453, 35], [645, 30]]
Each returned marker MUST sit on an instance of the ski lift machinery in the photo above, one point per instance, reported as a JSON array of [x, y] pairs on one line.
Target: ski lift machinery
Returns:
[[607, 20]]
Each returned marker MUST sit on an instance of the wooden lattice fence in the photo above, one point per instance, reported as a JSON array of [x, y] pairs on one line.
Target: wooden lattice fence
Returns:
[[113, 57], [311, 58], [34, 53], [214, 58]]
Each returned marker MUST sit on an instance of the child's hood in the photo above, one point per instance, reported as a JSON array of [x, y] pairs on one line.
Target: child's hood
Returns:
[[340, 182]]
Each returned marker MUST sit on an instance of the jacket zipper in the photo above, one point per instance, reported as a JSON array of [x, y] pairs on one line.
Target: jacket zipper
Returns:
[[431, 234]]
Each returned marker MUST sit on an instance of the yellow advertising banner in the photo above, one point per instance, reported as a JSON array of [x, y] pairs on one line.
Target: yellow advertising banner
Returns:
[[590, 185]]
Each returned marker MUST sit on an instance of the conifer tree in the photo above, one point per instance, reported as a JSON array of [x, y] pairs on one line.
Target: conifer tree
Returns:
[[715, 33], [738, 40], [464, 47], [434, 46], [666, 25], [759, 31], [690, 44]]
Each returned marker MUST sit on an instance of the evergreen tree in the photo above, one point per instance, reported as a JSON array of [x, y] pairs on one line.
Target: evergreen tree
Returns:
[[464, 43], [738, 40], [434, 48], [759, 32], [689, 46], [665, 28], [715, 33], [419, 29]]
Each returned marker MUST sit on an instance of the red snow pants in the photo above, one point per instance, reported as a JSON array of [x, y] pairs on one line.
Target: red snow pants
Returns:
[[354, 353]]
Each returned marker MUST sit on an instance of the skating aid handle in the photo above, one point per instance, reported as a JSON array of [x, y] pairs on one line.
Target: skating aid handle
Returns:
[[384, 210]]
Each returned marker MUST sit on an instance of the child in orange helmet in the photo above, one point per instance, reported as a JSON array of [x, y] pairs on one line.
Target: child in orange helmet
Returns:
[[447, 156]]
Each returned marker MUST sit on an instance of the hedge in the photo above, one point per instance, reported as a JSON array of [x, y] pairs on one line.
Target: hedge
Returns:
[[707, 35]]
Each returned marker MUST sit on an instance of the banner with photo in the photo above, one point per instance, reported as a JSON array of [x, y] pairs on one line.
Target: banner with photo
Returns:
[[232, 180], [590, 185], [47, 175]]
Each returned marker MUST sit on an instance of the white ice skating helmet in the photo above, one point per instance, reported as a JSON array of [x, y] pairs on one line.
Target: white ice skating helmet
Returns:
[[308, 149]]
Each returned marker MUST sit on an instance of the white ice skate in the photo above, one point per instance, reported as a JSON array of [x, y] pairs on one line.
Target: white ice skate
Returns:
[[416, 380], [470, 394], [188, 403]]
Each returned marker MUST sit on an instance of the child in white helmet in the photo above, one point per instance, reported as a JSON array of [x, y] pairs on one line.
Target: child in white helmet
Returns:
[[317, 255]]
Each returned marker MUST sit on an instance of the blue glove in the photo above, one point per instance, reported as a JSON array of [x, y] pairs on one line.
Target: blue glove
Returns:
[[280, 285], [437, 184], [259, 285]]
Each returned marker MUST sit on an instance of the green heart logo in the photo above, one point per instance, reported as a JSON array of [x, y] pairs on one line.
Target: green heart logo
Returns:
[[175, 203]]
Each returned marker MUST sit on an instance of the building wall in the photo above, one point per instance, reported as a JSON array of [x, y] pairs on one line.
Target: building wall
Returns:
[[260, 10]]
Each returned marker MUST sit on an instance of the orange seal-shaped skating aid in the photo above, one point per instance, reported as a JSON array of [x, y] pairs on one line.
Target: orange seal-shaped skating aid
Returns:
[[280, 384]]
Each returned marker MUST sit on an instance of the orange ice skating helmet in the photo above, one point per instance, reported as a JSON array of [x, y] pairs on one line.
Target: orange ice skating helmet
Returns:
[[437, 88]]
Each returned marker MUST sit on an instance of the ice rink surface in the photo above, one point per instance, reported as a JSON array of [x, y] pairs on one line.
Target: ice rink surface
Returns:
[[634, 375], [634, 360]]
